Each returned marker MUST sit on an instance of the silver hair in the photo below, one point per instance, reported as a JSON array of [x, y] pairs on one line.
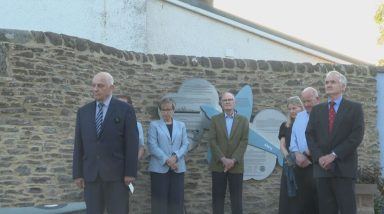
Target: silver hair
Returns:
[[342, 78], [167, 100], [108, 77], [312, 90]]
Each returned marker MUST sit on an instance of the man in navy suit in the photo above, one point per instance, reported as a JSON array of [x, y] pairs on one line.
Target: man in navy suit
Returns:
[[105, 150], [335, 130]]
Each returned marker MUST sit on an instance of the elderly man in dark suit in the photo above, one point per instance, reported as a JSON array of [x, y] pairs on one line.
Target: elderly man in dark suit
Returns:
[[335, 130], [228, 137], [105, 150]]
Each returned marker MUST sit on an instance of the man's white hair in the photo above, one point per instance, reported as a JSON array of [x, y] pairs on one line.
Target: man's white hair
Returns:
[[107, 76], [312, 90], [342, 78]]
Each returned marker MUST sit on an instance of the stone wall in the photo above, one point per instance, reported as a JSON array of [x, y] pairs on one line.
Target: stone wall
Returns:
[[45, 77]]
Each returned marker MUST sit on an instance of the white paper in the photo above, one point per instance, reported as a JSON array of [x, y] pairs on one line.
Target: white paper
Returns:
[[131, 188]]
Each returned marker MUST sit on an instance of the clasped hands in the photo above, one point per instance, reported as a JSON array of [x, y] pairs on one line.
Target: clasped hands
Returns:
[[326, 160], [302, 160], [172, 162], [227, 163]]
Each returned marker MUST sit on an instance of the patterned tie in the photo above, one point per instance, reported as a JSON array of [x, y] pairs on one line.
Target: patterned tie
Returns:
[[331, 116], [99, 118]]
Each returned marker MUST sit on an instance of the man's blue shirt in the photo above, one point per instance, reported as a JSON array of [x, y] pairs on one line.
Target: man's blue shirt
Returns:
[[298, 139]]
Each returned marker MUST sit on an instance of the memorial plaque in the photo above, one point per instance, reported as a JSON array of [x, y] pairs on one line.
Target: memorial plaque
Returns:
[[191, 95], [267, 122], [254, 163], [259, 163]]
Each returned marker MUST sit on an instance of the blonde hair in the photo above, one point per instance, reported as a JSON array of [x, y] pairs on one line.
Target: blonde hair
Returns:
[[296, 101]]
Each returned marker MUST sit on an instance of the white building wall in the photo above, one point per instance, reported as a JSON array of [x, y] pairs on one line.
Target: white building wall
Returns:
[[148, 26], [172, 29], [117, 23]]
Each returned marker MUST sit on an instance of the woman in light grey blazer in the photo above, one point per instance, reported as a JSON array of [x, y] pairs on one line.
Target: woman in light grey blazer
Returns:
[[167, 145]]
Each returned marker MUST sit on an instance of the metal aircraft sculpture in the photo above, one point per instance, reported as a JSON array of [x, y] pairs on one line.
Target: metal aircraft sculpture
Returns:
[[197, 100]]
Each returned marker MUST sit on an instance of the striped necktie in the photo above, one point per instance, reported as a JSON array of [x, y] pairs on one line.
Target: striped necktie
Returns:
[[99, 118]]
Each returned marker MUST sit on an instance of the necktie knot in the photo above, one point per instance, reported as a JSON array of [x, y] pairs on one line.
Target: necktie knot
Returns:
[[100, 105], [332, 103]]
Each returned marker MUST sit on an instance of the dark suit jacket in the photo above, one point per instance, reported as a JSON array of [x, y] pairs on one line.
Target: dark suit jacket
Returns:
[[346, 136], [114, 154], [232, 147]]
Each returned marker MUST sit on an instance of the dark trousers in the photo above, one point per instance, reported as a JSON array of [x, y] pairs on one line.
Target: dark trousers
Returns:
[[219, 188], [336, 194], [112, 195], [167, 193], [287, 205], [306, 190]]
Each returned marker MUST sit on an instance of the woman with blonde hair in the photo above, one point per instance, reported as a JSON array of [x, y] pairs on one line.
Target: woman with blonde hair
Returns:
[[288, 201]]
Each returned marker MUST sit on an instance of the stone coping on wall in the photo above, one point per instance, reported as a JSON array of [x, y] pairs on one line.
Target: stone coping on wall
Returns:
[[366, 189], [365, 197], [85, 45]]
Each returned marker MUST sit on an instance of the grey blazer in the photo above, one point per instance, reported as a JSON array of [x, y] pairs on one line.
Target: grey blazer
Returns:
[[161, 145]]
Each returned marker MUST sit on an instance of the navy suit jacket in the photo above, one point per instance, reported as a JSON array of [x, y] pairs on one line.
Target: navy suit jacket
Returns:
[[113, 155], [346, 136]]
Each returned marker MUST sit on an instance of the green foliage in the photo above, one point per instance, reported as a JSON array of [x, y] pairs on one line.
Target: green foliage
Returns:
[[379, 19], [379, 198], [379, 204], [381, 62]]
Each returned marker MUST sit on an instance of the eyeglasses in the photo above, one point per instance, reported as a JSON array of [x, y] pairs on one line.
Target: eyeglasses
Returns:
[[166, 110], [227, 100]]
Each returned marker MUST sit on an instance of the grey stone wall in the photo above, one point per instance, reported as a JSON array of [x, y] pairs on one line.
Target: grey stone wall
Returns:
[[45, 78]]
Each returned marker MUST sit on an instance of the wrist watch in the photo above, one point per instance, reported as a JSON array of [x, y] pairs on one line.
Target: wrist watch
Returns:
[[334, 154]]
